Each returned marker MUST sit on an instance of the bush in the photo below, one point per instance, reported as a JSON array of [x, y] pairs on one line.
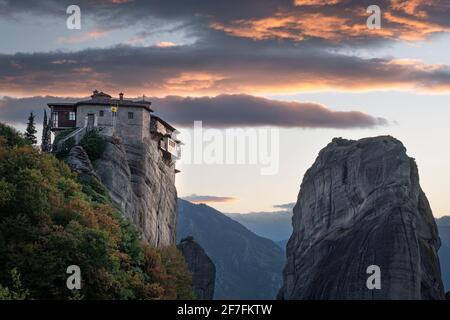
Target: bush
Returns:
[[61, 135], [64, 150], [11, 137], [94, 144], [17, 293]]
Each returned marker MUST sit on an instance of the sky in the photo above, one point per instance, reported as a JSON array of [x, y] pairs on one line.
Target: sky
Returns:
[[304, 71]]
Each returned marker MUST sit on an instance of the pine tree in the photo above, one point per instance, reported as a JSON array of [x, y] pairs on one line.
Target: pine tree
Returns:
[[31, 130], [46, 138]]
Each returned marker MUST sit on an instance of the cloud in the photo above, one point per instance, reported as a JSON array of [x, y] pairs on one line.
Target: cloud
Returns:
[[88, 36], [225, 59], [285, 206], [208, 199], [220, 112], [204, 70], [16, 111], [342, 21], [295, 20], [165, 44], [245, 110]]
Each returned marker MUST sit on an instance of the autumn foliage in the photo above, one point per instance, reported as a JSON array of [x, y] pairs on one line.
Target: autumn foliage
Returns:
[[48, 222]]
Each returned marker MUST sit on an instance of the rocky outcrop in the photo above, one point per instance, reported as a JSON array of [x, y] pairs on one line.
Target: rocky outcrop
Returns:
[[141, 183], [78, 161], [444, 251], [361, 204], [201, 266]]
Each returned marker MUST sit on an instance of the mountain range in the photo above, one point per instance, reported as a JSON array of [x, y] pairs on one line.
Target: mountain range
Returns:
[[248, 266]]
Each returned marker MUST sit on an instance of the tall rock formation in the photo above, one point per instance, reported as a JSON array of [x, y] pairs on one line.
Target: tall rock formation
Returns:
[[361, 204], [201, 266], [140, 182]]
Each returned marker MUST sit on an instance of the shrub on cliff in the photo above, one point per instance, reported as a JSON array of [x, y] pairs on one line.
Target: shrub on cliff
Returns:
[[48, 222], [94, 144]]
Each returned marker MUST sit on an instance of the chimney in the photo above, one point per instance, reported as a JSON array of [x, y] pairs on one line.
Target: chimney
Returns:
[[121, 96]]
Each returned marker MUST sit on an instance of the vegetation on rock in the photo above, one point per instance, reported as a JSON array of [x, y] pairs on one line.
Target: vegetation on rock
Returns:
[[50, 219], [94, 144]]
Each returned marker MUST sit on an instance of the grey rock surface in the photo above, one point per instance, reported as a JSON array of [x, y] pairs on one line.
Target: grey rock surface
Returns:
[[444, 251], [201, 266], [361, 204], [140, 182], [79, 162]]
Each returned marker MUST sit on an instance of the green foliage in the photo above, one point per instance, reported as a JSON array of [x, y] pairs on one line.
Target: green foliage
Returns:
[[50, 218], [94, 144], [178, 279], [17, 293], [30, 132], [64, 149], [61, 135], [46, 134], [11, 137], [94, 189]]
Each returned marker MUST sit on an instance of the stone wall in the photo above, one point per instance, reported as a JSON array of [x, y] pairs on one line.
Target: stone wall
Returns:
[[128, 129]]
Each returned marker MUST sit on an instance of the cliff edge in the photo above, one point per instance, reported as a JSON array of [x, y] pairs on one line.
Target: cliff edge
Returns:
[[141, 183]]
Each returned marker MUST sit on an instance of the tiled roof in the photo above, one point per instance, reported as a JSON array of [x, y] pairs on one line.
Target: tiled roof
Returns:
[[101, 98], [120, 103]]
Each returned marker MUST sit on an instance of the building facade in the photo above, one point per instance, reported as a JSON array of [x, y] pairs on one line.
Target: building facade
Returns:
[[130, 120]]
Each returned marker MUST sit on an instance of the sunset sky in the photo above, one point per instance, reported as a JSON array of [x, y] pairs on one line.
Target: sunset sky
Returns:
[[311, 69]]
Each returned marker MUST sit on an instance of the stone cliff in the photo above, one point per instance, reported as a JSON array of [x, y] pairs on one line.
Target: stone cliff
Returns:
[[201, 266], [140, 181], [361, 204]]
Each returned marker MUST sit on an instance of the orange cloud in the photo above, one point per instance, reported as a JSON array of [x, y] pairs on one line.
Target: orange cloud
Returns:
[[165, 44], [75, 39], [405, 20], [208, 199], [192, 82], [182, 70], [316, 2]]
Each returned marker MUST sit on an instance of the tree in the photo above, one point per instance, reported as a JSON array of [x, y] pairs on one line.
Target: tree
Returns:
[[31, 130], [11, 137], [46, 134]]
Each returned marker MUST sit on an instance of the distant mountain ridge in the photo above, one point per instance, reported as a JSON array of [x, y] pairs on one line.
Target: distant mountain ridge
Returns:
[[275, 225], [247, 266]]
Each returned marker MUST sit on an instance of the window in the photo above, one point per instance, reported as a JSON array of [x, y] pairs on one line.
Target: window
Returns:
[[101, 113], [55, 119], [130, 115], [72, 116]]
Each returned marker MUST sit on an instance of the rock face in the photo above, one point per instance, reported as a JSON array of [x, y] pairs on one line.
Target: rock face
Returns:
[[78, 161], [201, 266], [444, 251], [140, 181], [361, 204], [248, 266]]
